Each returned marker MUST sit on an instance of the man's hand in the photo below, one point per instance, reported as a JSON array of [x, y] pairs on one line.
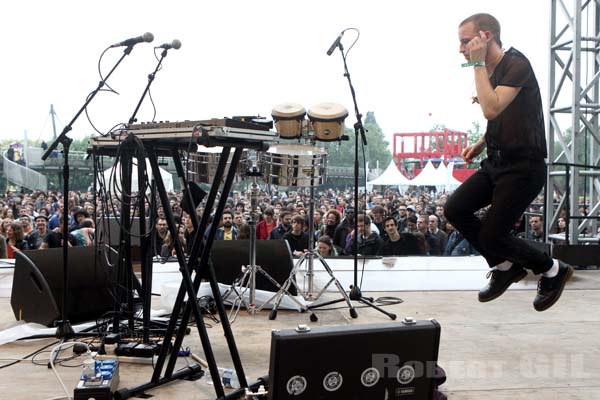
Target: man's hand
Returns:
[[472, 151], [477, 47]]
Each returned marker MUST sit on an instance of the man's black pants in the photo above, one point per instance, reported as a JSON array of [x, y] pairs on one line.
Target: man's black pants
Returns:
[[509, 186]]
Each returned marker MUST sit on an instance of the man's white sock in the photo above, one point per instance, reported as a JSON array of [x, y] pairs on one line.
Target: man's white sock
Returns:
[[504, 266], [552, 272]]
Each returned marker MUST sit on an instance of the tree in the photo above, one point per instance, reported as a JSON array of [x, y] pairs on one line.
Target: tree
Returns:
[[435, 145], [342, 154], [473, 135], [80, 179]]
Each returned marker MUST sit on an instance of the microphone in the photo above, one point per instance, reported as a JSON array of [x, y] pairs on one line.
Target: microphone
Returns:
[[175, 44], [335, 44], [146, 37]]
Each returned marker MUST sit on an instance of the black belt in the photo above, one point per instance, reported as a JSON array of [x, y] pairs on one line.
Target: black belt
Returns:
[[502, 155]]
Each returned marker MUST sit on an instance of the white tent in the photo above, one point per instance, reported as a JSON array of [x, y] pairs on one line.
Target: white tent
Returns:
[[390, 177], [113, 180], [452, 182], [429, 176]]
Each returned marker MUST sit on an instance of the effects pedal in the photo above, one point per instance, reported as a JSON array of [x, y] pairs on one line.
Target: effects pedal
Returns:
[[98, 381], [134, 349]]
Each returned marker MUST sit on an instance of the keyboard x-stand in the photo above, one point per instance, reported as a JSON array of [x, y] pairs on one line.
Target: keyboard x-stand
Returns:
[[228, 138]]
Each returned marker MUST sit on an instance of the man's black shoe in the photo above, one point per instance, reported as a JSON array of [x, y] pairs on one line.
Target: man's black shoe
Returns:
[[550, 289], [500, 281]]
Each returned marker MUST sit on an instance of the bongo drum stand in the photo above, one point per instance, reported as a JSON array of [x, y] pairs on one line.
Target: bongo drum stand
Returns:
[[308, 257], [247, 281]]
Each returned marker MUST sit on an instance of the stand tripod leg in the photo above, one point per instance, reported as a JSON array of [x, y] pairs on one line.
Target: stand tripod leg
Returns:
[[239, 300], [345, 296], [283, 290], [355, 294]]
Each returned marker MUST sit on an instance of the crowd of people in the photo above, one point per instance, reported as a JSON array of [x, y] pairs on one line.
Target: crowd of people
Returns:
[[389, 223]]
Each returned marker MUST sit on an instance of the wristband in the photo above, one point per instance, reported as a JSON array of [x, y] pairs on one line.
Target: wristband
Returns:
[[473, 64]]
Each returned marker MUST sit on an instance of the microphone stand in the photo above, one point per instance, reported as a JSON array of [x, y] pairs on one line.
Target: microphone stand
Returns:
[[125, 262], [64, 329], [147, 89], [359, 130]]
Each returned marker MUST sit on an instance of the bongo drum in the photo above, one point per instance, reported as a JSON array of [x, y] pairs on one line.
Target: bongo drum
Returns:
[[294, 165], [327, 121], [202, 165], [289, 118]]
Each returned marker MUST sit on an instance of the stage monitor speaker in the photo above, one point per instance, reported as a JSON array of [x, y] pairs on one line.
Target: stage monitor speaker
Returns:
[[37, 290], [368, 362], [273, 256], [108, 231]]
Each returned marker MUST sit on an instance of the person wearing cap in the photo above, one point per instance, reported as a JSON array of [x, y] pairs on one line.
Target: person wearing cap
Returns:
[[36, 237], [79, 214], [411, 210]]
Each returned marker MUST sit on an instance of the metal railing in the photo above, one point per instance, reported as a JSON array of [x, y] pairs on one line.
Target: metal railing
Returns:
[[22, 176]]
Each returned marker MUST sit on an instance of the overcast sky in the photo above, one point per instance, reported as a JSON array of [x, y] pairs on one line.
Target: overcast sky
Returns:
[[244, 57]]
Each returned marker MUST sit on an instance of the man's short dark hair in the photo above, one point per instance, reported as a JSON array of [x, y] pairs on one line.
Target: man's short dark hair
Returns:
[[390, 219], [227, 212], [485, 22], [364, 218], [377, 210]]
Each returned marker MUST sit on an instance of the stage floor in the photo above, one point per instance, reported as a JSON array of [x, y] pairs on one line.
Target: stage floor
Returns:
[[499, 350]]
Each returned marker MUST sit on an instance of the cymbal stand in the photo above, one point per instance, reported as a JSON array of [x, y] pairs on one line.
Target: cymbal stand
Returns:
[[309, 276], [246, 283]]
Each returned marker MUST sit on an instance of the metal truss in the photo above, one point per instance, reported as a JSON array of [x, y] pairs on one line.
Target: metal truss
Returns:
[[573, 186]]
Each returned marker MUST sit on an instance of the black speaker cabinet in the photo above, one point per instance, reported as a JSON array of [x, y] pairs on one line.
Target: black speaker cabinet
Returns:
[[273, 256], [108, 231], [368, 362], [37, 290]]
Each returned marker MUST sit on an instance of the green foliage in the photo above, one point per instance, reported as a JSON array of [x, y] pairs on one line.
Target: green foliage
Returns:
[[582, 142], [81, 144], [80, 179], [377, 149], [437, 128], [473, 135]]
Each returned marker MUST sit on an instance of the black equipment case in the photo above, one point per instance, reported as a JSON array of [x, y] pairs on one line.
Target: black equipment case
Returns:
[[372, 361]]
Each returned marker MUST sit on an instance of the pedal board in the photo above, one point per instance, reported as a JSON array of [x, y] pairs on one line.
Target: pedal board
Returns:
[[99, 385]]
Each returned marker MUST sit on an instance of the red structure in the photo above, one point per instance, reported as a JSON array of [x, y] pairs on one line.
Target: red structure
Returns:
[[413, 150]]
